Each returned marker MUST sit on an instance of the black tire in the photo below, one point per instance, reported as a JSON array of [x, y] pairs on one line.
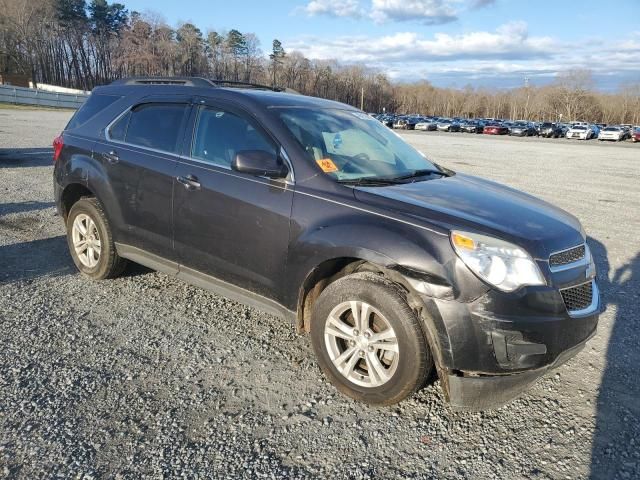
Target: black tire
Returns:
[[414, 361], [109, 264]]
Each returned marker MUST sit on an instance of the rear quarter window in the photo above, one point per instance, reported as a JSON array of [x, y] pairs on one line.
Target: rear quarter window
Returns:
[[94, 105]]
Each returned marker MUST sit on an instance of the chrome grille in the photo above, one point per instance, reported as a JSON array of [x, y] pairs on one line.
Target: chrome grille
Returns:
[[579, 297], [567, 256]]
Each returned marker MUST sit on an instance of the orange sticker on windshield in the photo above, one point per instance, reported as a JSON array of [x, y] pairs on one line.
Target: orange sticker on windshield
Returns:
[[327, 165]]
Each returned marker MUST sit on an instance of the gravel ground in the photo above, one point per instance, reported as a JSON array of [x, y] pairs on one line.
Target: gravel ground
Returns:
[[147, 376]]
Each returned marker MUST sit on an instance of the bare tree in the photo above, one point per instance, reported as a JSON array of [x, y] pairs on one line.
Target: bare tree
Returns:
[[83, 43]]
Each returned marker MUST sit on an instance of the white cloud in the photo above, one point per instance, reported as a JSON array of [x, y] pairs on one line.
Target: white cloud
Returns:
[[509, 52], [333, 8], [430, 12], [508, 41], [481, 3]]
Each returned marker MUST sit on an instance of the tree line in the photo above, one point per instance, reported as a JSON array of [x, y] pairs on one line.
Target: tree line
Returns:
[[85, 43]]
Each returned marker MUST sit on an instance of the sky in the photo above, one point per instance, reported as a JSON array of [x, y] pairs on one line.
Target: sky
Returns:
[[450, 43]]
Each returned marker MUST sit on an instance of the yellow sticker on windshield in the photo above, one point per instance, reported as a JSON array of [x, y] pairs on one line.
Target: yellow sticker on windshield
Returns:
[[327, 165]]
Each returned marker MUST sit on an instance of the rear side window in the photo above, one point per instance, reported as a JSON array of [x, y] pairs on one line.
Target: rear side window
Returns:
[[119, 129], [153, 125], [94, 105]]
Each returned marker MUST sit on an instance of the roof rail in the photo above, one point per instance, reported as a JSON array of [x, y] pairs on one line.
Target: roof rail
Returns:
[[183, 81], [195, 82], [234, 83]]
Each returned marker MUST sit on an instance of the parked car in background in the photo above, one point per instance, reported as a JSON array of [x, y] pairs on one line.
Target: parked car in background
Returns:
[[400, 123], [581, 132], [472, 126], [614, 133], [448, 125], [427, 125], [521, 129], [550, 130], [387, 120], [495, 129], [636, 135], [507, 124], [405, 122]]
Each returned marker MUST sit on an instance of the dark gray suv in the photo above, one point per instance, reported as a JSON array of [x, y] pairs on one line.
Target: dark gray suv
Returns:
[[314, 211]]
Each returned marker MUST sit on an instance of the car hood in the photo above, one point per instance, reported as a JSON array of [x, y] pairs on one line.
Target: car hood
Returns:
[[466, 202]]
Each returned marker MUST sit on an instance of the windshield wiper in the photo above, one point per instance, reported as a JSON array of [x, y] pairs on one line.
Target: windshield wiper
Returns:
[[369, 181], [398, 180], [420, 173]]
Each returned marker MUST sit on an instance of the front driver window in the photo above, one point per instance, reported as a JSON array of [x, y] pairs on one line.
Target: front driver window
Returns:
[[220, 135]]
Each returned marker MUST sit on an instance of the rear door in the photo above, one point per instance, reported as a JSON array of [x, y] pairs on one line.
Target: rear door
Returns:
[[140, 155], [227, 224]]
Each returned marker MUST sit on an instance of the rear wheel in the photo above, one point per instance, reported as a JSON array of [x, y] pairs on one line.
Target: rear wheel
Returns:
[[90, 241], [368, 341]]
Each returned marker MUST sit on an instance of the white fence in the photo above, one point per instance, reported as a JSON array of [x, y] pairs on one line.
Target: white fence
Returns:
[[55, 88], [28, 96]]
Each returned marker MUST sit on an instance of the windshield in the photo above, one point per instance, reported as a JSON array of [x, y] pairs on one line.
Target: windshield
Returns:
[[612, 129], [579, 127], [349, 145]]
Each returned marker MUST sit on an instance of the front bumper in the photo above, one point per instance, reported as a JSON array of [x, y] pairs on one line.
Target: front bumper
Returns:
[[487, 392], [492, 349]]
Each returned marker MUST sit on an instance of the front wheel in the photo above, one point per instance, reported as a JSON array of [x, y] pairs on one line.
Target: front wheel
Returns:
[[368, 341]]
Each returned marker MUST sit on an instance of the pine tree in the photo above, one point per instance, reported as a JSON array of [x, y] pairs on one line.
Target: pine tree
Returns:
[[276, 56], [237, 45]]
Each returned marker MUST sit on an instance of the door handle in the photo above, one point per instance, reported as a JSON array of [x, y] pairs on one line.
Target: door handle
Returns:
[[112, 157], [190, 182]]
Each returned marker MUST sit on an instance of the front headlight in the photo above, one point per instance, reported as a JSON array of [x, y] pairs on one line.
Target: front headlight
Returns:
[[501, 264]]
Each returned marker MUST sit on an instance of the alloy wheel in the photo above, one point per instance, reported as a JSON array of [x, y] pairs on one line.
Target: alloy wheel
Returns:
[[361, 344], [86, 240]]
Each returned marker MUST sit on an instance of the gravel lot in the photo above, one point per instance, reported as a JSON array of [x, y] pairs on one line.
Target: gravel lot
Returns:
[[147, 376]]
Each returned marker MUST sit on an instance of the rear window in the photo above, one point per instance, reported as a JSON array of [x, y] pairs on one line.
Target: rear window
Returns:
[[156, 125], [94, 105]]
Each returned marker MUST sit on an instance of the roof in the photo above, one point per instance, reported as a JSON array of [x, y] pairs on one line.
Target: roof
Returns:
[[262, 95]]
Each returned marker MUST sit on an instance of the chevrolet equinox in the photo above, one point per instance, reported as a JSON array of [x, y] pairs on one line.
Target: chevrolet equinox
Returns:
[[314, 211]]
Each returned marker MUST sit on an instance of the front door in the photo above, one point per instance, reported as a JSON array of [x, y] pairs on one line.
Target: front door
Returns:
[[227, 224]]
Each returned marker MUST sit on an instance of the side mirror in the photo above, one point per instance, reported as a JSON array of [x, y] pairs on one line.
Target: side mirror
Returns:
[[259, 162]]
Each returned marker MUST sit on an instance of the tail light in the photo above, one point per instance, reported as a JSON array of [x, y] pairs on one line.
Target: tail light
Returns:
[[58, 143]]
